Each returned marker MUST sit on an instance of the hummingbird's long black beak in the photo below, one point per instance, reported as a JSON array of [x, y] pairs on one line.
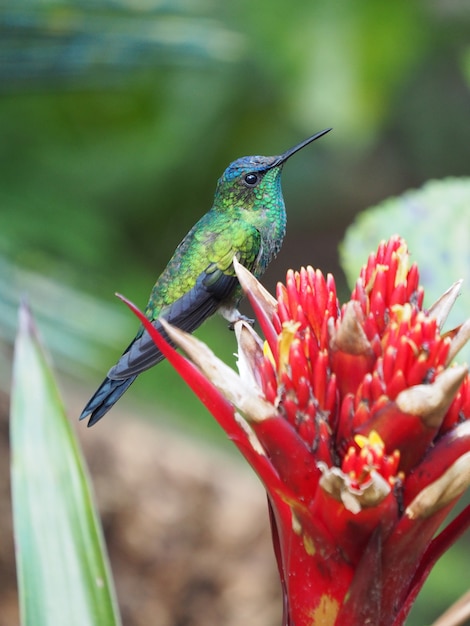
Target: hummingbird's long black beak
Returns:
[[282, 158]]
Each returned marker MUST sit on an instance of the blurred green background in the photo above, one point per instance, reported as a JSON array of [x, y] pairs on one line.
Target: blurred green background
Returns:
[[117, 118]]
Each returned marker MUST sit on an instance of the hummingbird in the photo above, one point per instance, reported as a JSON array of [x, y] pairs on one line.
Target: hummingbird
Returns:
[[247, 221]]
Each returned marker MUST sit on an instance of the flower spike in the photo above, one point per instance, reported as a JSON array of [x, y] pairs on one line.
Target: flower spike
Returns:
[[357, 422]]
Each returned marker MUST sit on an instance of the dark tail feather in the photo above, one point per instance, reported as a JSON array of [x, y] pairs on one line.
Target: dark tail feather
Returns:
[[108, 393]]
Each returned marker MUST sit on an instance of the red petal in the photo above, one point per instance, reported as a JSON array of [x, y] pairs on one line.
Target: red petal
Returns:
[[363, 601], [403, 551], [438, 546], [446, 450], [352, 531], [400, 431], [266, 324], [289, 455]]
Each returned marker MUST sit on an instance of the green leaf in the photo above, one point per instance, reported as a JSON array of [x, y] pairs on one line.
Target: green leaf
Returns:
[[63, 573], [435, 222]]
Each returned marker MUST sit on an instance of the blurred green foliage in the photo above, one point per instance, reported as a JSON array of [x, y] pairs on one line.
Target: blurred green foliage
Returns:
[[118, 116]]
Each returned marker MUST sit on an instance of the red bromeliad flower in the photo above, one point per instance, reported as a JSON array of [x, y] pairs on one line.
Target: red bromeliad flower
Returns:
[[357, 422]]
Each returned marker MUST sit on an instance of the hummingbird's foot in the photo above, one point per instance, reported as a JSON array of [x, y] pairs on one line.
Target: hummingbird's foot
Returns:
[[241, 318], [233, 315]]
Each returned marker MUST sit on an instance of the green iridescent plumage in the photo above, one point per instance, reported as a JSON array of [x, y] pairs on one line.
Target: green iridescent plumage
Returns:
[[232, 227], [247, 220]]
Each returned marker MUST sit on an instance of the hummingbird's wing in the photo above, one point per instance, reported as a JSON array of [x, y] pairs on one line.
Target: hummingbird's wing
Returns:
[[214, 285]]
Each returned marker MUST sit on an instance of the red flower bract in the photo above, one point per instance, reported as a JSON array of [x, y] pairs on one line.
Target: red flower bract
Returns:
[[356, 422]]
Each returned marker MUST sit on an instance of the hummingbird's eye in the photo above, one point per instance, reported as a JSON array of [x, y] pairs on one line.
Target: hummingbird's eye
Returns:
[[251, 180]]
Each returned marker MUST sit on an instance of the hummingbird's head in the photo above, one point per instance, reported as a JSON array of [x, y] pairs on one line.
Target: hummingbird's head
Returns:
[[247, 182], [252, 182], [245, 166], [248, 177]]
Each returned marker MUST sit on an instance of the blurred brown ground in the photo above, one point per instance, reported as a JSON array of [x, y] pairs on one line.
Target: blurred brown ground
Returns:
[[186, 528]]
